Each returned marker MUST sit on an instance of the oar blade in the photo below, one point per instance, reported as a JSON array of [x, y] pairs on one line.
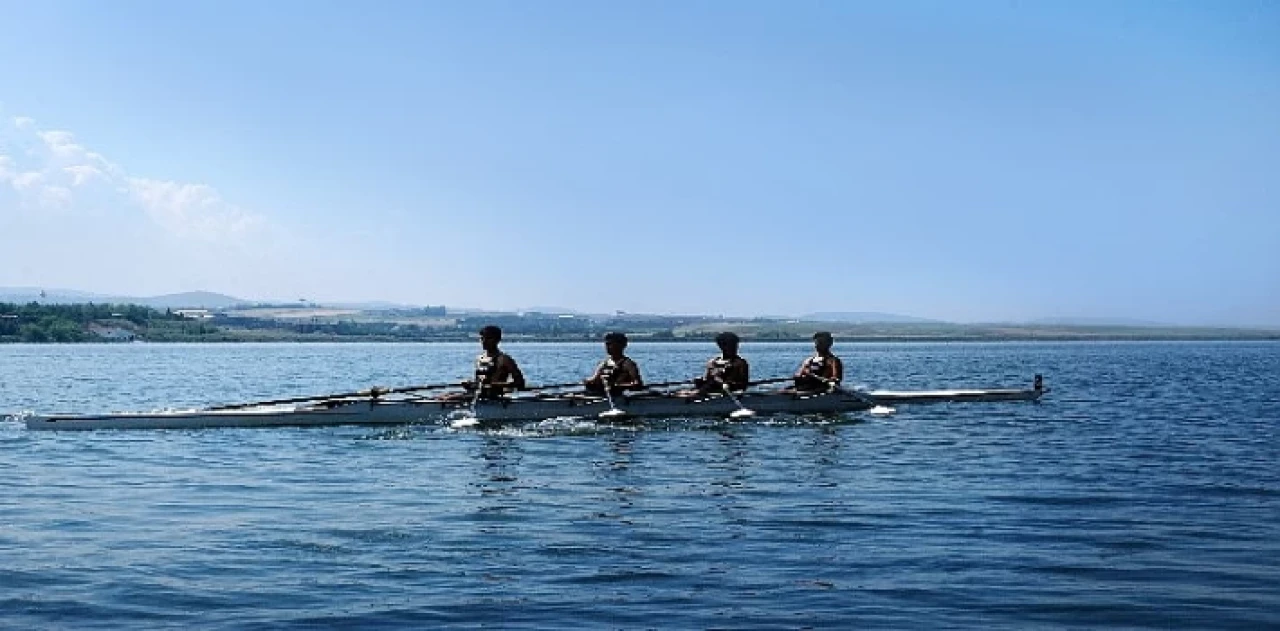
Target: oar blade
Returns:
[[463, 423]]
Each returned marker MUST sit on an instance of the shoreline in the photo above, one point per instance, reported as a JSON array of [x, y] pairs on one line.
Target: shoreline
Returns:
[[90, 323], [1275, 337]]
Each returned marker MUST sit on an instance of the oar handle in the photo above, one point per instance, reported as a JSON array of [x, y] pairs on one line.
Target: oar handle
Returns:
[[830, 382], [575, 384], [764, 382], [578, 384], [761, 382]]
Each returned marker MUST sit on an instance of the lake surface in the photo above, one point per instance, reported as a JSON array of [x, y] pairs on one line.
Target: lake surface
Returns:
[[1143, 491]]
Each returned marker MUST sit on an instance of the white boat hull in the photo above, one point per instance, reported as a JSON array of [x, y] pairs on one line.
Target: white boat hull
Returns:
[[520, 408], [398, 412], [899, 397]]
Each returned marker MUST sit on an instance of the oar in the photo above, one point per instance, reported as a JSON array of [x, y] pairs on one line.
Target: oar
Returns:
[[742, 411], [875, 407], [471, 419], [371, 392], [613, 412], [578, 384], [763, 382], [663, 384], [475, 398]]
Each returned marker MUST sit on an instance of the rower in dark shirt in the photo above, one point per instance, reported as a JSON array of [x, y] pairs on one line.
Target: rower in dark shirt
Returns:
[[496, 372], [823, 371], [617, 370], [728, 368]]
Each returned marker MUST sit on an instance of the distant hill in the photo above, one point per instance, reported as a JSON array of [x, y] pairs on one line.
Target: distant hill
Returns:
[[865, 317], [191, 300], [186, 300]]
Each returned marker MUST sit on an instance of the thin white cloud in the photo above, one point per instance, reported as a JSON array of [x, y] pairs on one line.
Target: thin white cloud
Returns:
[[58, 139], [54, 166], [190, 210], [83, 173], [27, 181], [55, 196]]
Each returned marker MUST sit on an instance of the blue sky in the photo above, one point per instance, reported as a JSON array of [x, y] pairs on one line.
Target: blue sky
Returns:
[[970, 161]]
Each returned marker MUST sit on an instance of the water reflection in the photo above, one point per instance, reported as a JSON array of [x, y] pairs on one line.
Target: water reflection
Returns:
[[499, 459], [622, 447], [826, 444], [730, 466], [617, 477]]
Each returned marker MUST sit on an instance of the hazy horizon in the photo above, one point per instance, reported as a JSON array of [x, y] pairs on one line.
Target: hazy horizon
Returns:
[[827, 316], [970, 162]]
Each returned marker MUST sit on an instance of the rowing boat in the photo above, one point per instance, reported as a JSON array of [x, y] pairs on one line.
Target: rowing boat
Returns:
[[377, 412], [381, 411]]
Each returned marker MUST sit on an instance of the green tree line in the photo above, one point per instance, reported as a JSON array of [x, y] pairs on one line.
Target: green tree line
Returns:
[[35, 322]]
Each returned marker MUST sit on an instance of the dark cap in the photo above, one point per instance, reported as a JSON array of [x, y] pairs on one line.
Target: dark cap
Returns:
[[616, 336], [822, 335], [491, 331]]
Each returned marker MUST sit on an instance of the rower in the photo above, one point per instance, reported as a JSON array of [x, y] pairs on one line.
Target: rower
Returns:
[[496, 372], [728, 369], [822, 372], [620, 372]]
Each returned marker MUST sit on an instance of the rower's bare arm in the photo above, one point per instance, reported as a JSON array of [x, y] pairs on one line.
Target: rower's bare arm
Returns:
[[517, 377], [631, 377], [708, 376]]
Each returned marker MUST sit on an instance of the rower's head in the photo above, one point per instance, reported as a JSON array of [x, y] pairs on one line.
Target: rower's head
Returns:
[[822, 342], [615, 343], [728, 343], [489, 337]]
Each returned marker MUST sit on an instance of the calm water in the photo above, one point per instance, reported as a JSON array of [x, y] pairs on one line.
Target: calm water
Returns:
[[1144, 491]]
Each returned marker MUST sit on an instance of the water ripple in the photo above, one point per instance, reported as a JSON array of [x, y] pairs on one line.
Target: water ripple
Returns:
[[1142, 493]]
